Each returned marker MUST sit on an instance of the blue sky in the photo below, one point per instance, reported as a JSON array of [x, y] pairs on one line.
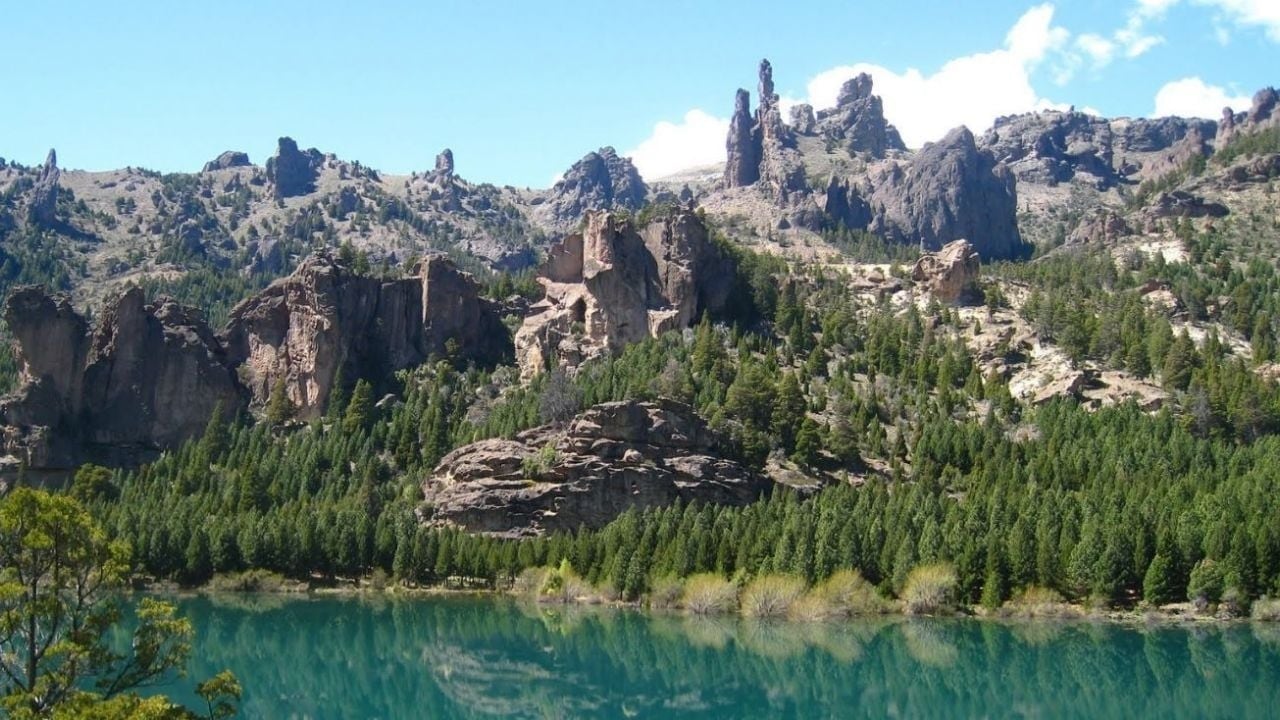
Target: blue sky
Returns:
[[519, 90]]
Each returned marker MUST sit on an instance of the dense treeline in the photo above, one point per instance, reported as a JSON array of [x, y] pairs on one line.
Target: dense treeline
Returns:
[[1116, 506]]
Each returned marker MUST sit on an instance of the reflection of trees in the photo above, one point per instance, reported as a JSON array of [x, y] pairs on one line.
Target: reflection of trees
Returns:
[[452, 657]]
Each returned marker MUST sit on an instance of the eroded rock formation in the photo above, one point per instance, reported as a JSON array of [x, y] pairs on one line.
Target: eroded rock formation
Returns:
[[149, 375], [325, 321], [601, 180], [291, 171], [763, 150], [858, 120], [949, 190], [1053, 146], [226, 160], [616, 283], [611, 458], [950, 274], [43, 206]]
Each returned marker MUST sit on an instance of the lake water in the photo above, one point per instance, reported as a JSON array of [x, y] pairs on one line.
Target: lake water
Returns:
[[477, 658]]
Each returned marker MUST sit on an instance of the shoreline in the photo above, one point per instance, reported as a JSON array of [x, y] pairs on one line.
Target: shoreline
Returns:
[[1179, 614]]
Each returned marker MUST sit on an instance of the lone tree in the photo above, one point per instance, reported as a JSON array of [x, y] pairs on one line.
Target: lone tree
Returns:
[[60, 582]]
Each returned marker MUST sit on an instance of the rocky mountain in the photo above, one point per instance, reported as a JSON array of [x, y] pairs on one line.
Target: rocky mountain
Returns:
[[610, 458], [148, 376], [857, 121], [617, 282], [42, 208], [601, 180]]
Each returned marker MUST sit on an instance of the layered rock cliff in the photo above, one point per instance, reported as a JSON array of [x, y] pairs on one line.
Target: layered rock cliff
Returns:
[[615, 283], [611, 458]]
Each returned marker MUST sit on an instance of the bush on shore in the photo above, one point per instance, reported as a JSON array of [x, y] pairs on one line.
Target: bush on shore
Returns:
[[771, 596], [708, 593], [930, 589]]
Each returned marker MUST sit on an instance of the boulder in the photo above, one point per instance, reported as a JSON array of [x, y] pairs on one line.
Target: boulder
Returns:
[[950, 274], [227, 160], [1103, 226], [1182, 204], [616, 283], [611, 458], [293, 172]]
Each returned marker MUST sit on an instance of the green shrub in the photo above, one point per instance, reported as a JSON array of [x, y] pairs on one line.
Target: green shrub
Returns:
[[708, 593], [666, 592], [771, 596], [1266, 610], [1206, 582], [930, 589], [848, 593]]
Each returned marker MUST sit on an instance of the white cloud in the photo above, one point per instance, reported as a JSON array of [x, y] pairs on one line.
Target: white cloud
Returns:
[[697, 140], [1264, 14], [972, 90], [1099, 49], [1192, 97]]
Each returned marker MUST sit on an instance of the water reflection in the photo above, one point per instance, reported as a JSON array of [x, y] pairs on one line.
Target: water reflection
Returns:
[[453, 657]]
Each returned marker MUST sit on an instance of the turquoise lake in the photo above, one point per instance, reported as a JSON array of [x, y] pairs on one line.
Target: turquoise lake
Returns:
[[492, 657]]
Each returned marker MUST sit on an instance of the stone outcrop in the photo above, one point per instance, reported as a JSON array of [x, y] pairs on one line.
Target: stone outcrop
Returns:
[[293, 172], [601, 180], [803, 121], [148, 376], [444, 165], [1053, 146], [949, 190], [611, 458], [742, 167], [227, 160], [1182, 204], [1263, 113], [763, 151], [950, 274], [1103, 226], [616, 283], [43, 206], [325, 321], [858, 120]]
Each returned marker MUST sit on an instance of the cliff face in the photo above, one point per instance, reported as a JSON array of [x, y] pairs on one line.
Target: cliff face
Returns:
[[324, 321], [949, 190], [616, 284], [149, 375], [611, 458]]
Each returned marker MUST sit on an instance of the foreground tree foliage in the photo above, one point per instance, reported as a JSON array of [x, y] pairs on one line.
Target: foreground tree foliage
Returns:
[[60, 585]]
